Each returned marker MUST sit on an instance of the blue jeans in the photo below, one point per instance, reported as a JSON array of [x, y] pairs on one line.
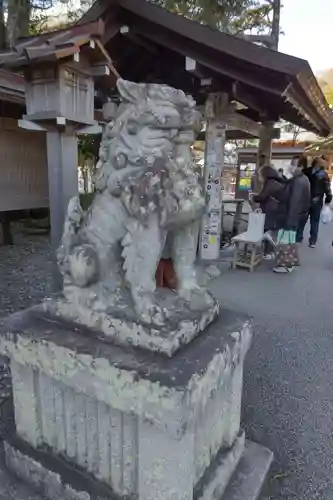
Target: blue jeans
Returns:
[[314, 214]]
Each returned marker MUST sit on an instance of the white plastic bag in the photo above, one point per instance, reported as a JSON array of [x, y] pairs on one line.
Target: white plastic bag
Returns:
[[256, 226], [268, 237], [326, 215]]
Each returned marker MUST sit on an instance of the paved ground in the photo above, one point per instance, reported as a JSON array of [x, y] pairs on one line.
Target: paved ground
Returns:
[[288, 400]]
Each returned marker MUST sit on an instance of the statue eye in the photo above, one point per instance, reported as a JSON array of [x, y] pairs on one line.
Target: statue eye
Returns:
[[120, 161], [132, 128]]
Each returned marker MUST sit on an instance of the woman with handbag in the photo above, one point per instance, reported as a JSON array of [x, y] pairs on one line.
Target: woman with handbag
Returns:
[[297, 204], [270, 199]]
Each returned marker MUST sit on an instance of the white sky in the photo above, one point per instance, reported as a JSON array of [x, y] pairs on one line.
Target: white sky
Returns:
[[307, 25]]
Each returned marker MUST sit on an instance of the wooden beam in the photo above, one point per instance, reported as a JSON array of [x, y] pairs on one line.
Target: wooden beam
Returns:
[[236, 121], [239, 93], [76, 57], [100, 70], [108, 59], [137, 39], [192, 66], [206, 82], [111, 32], [90, 130], [233, 135], [28, 125], [182, 46]]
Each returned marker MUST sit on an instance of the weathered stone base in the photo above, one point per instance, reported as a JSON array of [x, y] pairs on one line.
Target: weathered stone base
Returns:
[[52, 477], [120, 323], [251, 473], [147, 426], [56, 479]]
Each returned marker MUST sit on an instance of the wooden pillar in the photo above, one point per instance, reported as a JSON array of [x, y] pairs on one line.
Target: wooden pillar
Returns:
[[265, 144], [62, 160], [211, 229]]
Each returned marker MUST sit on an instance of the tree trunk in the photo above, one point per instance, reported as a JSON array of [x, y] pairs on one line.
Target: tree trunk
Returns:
[[2, 27], [18, 20], [276, 23], [295, 135]]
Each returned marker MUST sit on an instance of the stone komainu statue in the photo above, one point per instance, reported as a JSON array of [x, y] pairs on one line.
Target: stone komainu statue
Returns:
[[148, 200]]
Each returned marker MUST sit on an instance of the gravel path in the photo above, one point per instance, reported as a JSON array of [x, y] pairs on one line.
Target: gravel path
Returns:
[[25, 271], [25, 278]]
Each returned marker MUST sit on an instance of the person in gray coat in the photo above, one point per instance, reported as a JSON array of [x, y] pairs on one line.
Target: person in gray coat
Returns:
[[300, 199], [297, 205]]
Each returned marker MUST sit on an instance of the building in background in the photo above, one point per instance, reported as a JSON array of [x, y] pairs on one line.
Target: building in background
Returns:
[[282, 153]]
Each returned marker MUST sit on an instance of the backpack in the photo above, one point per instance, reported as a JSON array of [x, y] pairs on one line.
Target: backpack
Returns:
[[279, 203], [284, 194]]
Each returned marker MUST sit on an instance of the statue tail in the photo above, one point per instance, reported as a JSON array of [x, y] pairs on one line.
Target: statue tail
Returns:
[[73, 222]]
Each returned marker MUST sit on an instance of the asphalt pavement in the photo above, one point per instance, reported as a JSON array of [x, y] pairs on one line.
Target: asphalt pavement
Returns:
[[288, 394], [288, 380]]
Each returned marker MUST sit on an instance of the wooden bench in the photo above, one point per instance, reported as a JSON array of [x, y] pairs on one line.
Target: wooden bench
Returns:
[[248, 251]]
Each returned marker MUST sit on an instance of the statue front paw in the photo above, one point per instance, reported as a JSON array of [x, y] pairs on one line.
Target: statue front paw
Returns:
[[149, 312], [197, 296]]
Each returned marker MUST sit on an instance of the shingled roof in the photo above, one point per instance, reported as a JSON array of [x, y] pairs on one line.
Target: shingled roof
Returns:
[[57, 45], [274, 84], [154, 45]]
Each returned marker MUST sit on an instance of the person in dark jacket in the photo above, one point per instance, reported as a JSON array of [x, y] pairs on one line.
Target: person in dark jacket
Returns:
[[269, 200], [299, 199], [320, 191]]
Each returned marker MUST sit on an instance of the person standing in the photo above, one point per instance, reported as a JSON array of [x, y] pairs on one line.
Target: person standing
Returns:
[[320, 191], [269, 200], [295, 208]]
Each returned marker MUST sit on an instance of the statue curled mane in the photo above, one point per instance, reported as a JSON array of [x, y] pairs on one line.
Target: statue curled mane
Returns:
[[148, 198]]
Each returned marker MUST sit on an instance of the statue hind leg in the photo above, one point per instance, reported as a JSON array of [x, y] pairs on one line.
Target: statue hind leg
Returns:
[[184, 254], [142, 251]]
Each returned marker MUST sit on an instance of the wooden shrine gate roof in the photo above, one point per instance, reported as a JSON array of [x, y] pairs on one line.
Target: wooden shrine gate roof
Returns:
[[147, 43], [12, 99], [269, 83]]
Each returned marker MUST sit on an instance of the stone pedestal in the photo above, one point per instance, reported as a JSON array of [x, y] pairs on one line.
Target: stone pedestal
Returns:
[[100, 421]]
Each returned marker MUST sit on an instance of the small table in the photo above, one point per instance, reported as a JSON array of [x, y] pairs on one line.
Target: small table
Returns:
[[246, 251]]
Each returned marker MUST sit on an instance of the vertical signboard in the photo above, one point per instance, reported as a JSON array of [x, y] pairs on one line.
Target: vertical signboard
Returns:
[[213, 170]]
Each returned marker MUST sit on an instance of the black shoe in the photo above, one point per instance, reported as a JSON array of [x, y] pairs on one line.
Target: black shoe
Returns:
[[312, 245]]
